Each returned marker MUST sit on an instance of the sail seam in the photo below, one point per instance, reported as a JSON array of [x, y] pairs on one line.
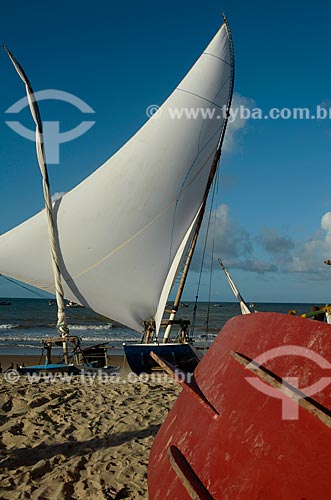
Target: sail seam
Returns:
[[219, 58], [203, 98], [123, 244]]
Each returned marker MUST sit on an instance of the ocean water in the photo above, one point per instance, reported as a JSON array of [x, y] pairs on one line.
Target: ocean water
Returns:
[[25, 322]]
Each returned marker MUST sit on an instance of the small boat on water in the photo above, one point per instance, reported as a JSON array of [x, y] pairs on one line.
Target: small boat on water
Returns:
[[71, 304], [5, 303], [261, 395]]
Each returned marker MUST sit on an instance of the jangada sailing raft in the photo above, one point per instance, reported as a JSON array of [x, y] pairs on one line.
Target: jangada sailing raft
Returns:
[[123, 233]]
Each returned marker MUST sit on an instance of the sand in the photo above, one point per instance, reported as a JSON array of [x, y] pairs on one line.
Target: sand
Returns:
[[80, 438]]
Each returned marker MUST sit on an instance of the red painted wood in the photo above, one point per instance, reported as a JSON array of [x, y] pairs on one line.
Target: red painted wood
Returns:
[[249, 452]]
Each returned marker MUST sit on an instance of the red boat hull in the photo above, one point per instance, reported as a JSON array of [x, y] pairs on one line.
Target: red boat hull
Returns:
[[228, 440]]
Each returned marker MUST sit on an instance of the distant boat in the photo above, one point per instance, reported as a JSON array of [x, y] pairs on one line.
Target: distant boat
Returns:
[[5, 303], [72, 304]]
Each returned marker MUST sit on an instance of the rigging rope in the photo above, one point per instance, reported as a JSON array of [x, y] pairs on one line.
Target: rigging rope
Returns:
[[212, 257], [203, 257]]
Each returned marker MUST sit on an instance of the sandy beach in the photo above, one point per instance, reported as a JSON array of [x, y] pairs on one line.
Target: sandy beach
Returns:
[[80, 438]]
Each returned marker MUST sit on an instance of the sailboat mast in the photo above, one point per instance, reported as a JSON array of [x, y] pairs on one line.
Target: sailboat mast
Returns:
[[243, 306], [61, 316], [205, 198]]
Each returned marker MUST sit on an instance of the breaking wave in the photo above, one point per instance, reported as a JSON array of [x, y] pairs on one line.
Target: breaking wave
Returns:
[[91, 327], [35, 326]]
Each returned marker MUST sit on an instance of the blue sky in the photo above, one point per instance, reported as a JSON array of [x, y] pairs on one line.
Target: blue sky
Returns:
[[273, 227]]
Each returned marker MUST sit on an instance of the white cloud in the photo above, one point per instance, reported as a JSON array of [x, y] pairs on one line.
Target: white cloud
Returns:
[[232, 241], [269, 251], [238, 120], [310, 258], [326, 225]]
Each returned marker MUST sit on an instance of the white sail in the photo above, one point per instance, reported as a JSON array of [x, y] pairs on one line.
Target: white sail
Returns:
[[170, 278], [122, 231]]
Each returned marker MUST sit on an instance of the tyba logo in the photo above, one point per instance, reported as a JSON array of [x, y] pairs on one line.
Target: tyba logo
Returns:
[[287, 390], [52, 135]]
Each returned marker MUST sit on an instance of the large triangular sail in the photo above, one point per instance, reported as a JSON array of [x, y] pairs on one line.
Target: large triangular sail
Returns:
[[123, 229]]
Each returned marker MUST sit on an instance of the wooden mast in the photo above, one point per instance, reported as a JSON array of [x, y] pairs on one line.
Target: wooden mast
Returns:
[[205, 198], [243, 305]]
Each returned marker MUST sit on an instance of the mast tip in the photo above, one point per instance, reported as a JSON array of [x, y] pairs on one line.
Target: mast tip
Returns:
[[225, 19]]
